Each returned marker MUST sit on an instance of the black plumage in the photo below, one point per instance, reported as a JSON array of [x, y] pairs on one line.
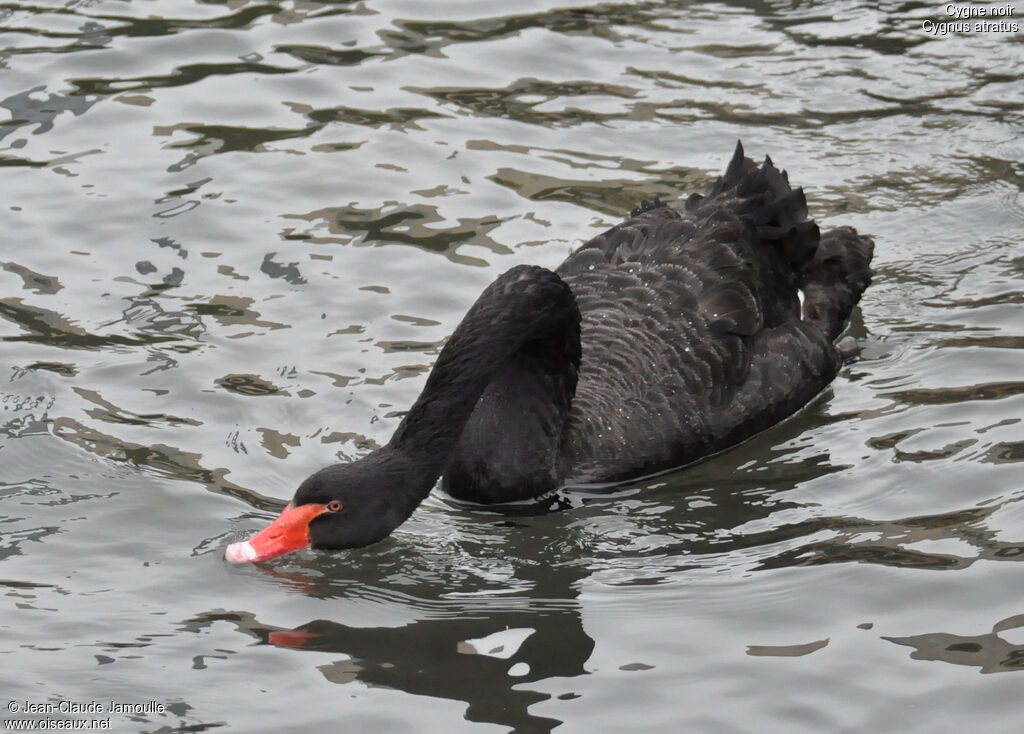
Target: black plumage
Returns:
[[692, 339]]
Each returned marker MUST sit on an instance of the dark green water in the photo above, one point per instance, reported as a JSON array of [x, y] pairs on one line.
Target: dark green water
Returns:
[[234, 236]]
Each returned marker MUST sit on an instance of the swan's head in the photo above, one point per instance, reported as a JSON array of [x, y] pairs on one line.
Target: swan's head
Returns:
[[342, 506]]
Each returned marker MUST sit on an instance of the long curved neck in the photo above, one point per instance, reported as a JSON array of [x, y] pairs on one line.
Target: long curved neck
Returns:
[[525, 307]]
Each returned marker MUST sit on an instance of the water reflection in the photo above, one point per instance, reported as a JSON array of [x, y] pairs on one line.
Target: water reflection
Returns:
[[419, 225], [954, 540], [483, 651], [36, 282], [45, 326], [990, 653], [39, 107]]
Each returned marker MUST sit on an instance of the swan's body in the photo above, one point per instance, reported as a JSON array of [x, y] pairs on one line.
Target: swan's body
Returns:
[[671, 336]]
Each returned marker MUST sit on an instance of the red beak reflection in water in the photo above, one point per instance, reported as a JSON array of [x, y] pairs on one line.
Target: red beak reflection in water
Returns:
[[291, 638], [288, 533]]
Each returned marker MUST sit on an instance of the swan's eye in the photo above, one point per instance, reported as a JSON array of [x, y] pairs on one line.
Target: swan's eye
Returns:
[[333, 506]]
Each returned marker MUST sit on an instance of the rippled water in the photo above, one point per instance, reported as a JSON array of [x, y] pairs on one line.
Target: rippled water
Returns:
[[235, 235]]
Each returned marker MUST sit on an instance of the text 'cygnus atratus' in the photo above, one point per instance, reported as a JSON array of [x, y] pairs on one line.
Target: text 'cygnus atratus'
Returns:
[[670, 337]]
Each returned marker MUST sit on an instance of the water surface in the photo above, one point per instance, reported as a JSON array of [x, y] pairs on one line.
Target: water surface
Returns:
[[235, 235]]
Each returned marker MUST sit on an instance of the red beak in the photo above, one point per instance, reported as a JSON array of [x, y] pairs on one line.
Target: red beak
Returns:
[[288, 533]]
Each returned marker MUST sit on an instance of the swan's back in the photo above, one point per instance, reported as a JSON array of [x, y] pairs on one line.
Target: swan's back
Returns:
[[690, 339], [692, 331]]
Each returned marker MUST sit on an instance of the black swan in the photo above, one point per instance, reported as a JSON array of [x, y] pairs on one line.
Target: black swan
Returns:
[[670, 337]]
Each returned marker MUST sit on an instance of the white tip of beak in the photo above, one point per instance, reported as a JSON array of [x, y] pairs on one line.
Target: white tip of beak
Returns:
[[240, 552]]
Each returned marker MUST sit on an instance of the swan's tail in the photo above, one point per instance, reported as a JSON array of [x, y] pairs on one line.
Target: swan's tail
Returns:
[[831, 269], [835, 278]]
